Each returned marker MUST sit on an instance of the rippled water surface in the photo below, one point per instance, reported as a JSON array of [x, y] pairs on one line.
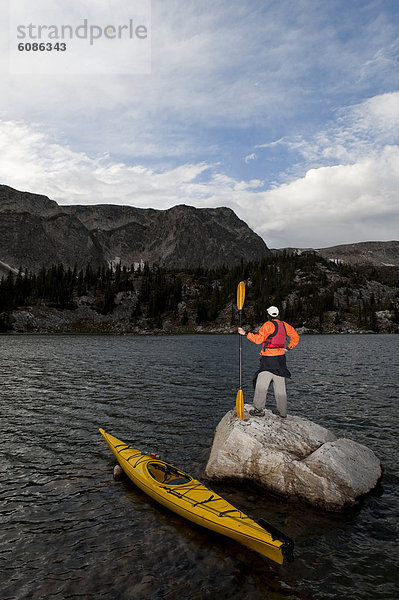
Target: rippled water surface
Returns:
[[69, 531]]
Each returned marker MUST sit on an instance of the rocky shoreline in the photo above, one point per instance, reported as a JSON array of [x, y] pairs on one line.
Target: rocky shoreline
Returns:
[[82, 320]]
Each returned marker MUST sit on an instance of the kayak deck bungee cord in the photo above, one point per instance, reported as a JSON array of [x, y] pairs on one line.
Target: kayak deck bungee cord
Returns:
[[189, 498]]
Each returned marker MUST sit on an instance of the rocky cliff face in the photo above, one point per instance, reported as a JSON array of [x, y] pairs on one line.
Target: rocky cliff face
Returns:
[[181, 237], [14, 201], [35, 231]]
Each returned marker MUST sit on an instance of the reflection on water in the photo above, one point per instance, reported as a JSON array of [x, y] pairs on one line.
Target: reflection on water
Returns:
[[70, 531]]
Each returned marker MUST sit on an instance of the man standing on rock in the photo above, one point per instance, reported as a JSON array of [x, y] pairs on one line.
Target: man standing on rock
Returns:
[[273, 368]]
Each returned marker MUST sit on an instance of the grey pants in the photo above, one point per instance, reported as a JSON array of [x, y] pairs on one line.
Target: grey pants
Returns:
[[262, 385]]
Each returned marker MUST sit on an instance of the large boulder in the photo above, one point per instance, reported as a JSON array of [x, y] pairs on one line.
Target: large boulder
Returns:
[[294, 457]]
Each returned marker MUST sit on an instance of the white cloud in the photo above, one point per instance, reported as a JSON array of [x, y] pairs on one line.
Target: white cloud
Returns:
[[250, 157], [376, 118], [359, 131], [349, 189], [271, 144], [30, 161], [338, 204]]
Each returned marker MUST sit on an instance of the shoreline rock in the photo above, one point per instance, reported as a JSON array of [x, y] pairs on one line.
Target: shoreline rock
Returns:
[[293, 457], [85, 320]]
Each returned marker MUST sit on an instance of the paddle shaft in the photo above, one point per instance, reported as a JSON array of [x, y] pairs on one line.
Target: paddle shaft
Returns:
[[240, 396], [240, 304], [240, 352]]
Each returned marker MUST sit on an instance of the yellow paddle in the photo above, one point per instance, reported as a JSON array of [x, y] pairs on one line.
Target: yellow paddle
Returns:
[[240, 395]]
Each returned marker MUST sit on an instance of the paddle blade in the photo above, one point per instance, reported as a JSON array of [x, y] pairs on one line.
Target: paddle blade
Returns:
[[240, 295], [240, 404]]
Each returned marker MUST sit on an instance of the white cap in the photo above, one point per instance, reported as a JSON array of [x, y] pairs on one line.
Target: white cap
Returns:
[[273, 311]]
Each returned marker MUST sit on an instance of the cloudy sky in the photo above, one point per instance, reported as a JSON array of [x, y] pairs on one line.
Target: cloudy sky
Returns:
[[287, 111]]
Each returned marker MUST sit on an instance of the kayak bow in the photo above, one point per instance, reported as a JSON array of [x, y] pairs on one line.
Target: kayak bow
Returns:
[[189, 498]]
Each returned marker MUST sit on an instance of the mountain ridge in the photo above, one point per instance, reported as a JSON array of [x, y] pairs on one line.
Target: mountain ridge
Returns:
[[374, 253], [35, 232], [368, 253]]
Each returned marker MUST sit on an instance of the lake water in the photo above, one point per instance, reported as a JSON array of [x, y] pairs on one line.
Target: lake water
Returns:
[[69, 531]]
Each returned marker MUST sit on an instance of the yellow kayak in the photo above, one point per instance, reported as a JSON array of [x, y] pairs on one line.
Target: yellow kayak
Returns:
[[191, 499]]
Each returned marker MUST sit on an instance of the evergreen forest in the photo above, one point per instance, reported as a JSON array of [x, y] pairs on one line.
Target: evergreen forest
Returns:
[[310, 291]]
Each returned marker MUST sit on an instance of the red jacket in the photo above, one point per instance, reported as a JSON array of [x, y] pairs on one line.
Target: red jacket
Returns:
[[264, 332]]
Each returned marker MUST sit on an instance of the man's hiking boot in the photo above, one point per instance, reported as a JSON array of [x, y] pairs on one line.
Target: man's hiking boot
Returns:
[[257, 412], [275, 412]]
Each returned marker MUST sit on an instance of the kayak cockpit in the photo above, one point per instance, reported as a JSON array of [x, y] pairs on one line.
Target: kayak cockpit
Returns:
[[163, 473]]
